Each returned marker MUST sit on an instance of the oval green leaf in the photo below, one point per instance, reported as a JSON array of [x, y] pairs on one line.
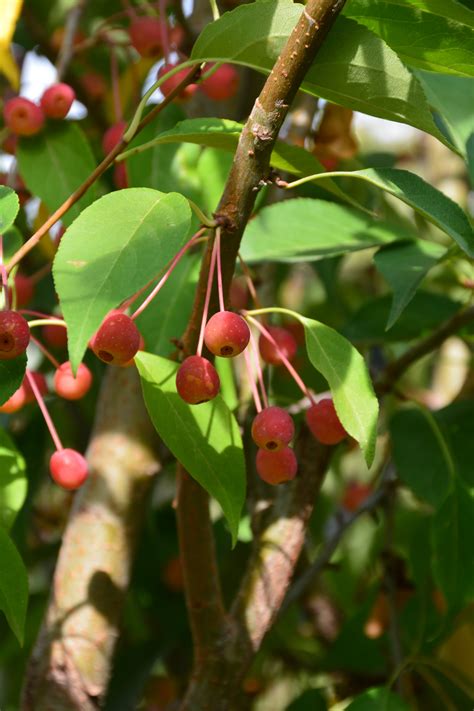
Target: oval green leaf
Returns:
[[9, 207], [13, 481], [113, 249], [204, 438], [13, 585], [12, 373]]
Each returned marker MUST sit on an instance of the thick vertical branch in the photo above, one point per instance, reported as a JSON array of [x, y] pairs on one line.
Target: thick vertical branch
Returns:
[[70, 665], [250, 167]]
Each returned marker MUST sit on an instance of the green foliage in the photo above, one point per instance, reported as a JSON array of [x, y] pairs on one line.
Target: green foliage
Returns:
[[144, 229], [9, 206], [255, 34], [12, 373], [204, 438], [13, 585], [378, 699], [55, 163], [13, 481], [310, 700]]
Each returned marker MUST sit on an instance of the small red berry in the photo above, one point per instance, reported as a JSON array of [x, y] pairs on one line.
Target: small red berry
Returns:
[[113, 136], [146, 35], [117, 340], [226, 334], [57, 100], [70, 387], [55, 336], [15, 402], [276, 467], [41, 384], [170, 84], [355, 494], [273, 429], [22, 116], [68, 468], [14, 335], [284, 340], [197, 380], [176, 36], [223, 84], [324, 423], [120, 176]]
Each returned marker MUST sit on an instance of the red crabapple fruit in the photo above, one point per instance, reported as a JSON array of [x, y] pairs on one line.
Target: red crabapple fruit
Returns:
[[68, 468], [170, 84], [15, 402], [355, 494], [285, 341], [70, 387], [120, 176], [55, 336], [117, 340], [324, 423], [14, 335], [273, 429], [278, 466], [57, 100], [223, 84], [226, 334], [22, 116], [197, 380], [146, 36], [113, 136], [41, 384]]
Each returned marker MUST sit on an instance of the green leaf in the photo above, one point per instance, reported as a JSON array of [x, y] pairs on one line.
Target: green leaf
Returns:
[[168, 314], [378, 699], [13, 481], [453, 98], [457, 424], [12, 373], [422, 456], [222, 134], [426, 311], [204, 438], [404, 266], [12, 241], [56, 162], [13, 586], [213, 168], [310, 700], [353, 68], [304, 229], [9, 207], [115, 247], [429, 202], [470, 157], [453, 552], [421, 38]]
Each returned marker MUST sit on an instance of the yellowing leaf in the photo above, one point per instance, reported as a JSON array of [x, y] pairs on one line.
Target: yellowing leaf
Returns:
[[9, 12]]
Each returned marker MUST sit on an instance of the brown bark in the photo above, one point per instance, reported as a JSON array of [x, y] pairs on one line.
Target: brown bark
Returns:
[[70, 665]]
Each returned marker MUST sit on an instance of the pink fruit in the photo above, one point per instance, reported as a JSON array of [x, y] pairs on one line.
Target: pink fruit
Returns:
[[15, 402], [355, 494], [273, 429], [55, 336], [70, 387], [170, 84], [197, 380], [223, 84], [146, 35], [324, 423], [57, 100], [117, 340], [226, 334], [113, 136], [68, 468], [276, 467], [22, 116], [14, 335], [285, 342]]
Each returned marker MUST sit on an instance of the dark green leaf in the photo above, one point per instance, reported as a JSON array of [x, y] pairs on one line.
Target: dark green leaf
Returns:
[[13, 585], [113, 249], [354, 67], [204, 438], [13, 482], [457, 424], [429, 202], [56, 162], [303, 229], [404, 266], [310, 700], [12, 373], [437, 42], [453, 552], [9, 207], [422, 456], [470, 157], [12, 241], [378, 699]]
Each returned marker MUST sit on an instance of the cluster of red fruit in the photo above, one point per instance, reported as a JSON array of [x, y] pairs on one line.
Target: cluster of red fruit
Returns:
[[116, 342], [25, 118]]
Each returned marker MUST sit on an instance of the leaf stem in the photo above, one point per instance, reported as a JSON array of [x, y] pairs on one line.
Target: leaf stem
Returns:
[[207, 299], [45, 352], [220, 289]]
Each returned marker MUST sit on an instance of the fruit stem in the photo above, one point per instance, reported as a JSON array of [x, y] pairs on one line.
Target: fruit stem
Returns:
[[45, 352], [251, 377], [46, 322], [249, 280], [258, 368], [283, 357], [167, 274], [207, 299], [164, 30], [44, 411], [220, 288]]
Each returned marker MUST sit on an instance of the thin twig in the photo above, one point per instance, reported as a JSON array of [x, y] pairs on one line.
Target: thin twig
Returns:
[[67, 48]]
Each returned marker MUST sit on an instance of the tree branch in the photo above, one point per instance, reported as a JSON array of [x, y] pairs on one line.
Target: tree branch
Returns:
[[70, 29], [70, 664]]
